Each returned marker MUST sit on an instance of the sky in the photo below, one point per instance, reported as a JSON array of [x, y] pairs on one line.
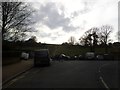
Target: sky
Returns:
[[58, 20]]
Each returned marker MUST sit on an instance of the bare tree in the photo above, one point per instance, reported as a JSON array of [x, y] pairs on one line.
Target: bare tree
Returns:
[[33, 39], [72, 40], [90, 38], [15, 19], [104, 35]]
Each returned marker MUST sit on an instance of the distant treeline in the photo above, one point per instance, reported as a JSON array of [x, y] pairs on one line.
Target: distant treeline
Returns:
[[55, 49]]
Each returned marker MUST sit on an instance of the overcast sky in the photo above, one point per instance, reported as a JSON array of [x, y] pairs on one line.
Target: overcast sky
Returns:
[[57, 20]]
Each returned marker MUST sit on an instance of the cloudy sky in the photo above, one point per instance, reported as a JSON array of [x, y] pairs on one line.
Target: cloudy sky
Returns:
[[57, 20]]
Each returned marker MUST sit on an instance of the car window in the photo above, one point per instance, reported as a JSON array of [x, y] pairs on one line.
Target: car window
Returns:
[[42, 54]]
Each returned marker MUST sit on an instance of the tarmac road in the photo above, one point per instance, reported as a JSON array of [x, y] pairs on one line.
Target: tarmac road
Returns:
[[109, 71], [66, 74]]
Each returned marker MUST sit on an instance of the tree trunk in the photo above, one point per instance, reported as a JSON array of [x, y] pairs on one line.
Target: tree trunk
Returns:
[[106, 49]]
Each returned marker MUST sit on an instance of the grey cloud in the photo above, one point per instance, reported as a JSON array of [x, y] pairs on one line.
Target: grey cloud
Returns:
[[45, 34], [88, 5], [70, 28], [42, 34], [86, 9], [58, 34], [48, 15], [75, 14], [53, 38]]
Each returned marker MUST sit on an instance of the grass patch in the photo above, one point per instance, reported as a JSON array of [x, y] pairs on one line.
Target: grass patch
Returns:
[[10, 60]]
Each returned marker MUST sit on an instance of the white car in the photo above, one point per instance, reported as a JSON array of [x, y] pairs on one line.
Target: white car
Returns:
[[24, 55], [90, 55]]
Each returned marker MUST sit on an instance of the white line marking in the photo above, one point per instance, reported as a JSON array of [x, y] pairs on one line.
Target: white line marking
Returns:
[[13, 81], [106, 86]]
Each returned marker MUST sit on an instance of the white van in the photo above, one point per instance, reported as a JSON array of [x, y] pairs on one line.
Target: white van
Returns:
[[24, 55]]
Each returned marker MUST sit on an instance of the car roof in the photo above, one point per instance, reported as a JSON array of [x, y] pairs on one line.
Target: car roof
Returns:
[[42, 50], [89, 52]]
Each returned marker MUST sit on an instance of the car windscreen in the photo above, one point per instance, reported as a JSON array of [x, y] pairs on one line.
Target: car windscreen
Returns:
[[41, 54]]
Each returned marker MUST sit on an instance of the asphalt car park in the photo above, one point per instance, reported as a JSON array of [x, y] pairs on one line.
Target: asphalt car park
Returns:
[[69, 74]]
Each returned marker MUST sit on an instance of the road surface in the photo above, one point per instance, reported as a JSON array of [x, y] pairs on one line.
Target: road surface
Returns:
[[66, 74]]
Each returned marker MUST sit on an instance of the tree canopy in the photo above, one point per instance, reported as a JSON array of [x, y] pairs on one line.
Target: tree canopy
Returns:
[[15, 20]]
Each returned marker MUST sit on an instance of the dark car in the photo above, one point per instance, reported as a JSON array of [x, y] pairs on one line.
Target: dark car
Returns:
[[80, 57], [41, 57], [108, 57], [64, 57], [100, 57]]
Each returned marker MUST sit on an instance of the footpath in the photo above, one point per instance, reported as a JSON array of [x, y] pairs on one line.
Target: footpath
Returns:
[[13, 70]]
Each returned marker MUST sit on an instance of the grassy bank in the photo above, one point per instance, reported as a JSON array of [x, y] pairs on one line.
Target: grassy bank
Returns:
[[70, 50]]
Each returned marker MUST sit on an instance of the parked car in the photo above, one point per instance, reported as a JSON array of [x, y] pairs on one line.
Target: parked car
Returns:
[[75, 57], [99, 57], [80, 57], [64, 57], [55, 57], [108, 57], [31, 55], [41, 57], [67, 57], [24, 55], [90, 55], [51, 59], [72, 58]]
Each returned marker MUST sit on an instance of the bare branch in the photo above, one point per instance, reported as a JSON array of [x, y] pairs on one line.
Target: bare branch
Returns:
[[15, 17]]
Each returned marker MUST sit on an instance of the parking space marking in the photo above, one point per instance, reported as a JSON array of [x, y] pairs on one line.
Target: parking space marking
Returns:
[[106, 86]]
